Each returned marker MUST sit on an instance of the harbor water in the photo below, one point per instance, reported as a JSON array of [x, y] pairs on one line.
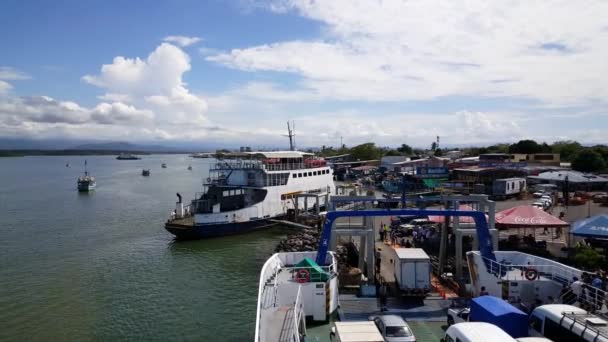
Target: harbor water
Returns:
[[100, 266]]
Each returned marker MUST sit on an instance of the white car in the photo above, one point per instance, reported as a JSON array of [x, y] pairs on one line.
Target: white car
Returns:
[[458, 315], [393, 328], [538, 194], [539, 205]]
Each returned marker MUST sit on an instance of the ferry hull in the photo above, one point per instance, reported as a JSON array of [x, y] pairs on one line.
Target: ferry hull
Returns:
[[197, 232], [86, 187]]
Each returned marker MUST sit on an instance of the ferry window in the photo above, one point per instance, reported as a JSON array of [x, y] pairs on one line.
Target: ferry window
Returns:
[[314, 173], [305, 174], [536, 323], [299, 175], [295, 175], [557, 333], [310, 174], [226, 193]]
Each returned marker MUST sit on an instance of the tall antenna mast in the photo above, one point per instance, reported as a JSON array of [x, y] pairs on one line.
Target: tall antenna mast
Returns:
[[291, 135]]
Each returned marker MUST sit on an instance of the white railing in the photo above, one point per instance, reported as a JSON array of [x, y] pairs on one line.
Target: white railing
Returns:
[[270, 269], [297, 313], [591, 299], [267, 296]]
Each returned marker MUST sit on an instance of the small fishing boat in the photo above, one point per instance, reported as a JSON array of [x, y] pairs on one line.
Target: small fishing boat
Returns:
[[86, 182], [163, 165], [145, 172]]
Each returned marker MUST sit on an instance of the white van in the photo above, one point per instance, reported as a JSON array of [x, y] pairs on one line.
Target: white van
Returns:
[[567, 323], [476, 332]]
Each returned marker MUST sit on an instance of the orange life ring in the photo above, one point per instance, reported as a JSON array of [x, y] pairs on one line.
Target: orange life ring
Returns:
[[302, 276], [531, 274]]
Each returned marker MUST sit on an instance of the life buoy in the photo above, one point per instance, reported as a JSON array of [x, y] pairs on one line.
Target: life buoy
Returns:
[[208, 179], [302, 276], [531, 274]]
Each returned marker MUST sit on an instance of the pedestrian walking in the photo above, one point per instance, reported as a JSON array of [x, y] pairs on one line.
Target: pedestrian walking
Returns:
[[378, 261], [383, 296]]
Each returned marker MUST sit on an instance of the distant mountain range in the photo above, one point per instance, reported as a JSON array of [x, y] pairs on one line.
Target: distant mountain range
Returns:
[[77, 145], [125, 146]]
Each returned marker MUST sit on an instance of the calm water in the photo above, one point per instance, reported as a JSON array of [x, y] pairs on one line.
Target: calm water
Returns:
[[100, 266]]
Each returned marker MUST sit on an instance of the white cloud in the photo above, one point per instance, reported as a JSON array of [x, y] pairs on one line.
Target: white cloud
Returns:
[[5, 87], [182, 41], [154, 84], [12, 74], [113, 97], [117, 112], [144, 99], [402, 50]]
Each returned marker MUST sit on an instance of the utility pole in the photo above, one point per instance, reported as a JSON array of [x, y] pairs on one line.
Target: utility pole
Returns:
[[341, 143]]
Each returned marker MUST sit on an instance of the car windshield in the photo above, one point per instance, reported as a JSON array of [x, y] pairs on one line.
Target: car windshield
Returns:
[[398, 332]]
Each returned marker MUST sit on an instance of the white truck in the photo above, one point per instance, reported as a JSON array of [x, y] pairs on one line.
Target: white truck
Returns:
[[363, 331], [413, 271]]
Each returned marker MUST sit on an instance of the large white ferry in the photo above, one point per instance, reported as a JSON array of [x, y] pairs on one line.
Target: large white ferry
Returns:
[[244, 190]]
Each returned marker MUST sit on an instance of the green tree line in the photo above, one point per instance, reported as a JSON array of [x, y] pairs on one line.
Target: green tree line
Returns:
[[583, 158]]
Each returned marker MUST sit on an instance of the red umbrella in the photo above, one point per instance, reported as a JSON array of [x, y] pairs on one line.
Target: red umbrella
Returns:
[[463, 219], [527, 216]]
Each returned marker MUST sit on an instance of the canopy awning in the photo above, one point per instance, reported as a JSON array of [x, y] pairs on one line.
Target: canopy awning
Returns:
[[593, 227], [462, 219], [527, 216]]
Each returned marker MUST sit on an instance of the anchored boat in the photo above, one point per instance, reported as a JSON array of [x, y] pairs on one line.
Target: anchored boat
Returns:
[[127, 156], [245, 190], [86, 182]]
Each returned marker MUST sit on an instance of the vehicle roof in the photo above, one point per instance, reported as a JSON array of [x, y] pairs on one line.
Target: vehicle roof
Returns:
[[533, 339], [556, 310], [392, 320], [411, 253], [479, 332], [267, 154], [362, 331]]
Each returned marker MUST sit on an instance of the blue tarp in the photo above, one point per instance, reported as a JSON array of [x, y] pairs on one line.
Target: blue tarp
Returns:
[[593, 227], [496, 311]]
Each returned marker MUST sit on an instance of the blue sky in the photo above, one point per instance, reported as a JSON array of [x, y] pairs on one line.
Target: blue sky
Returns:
[[234, 71]]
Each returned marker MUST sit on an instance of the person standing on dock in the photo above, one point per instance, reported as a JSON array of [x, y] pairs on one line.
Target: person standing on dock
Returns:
[[383, 296], [382, 232], [385, 232], [378, 261]]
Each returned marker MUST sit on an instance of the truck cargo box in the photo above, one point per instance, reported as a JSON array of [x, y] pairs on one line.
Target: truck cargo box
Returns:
[[413, 270]]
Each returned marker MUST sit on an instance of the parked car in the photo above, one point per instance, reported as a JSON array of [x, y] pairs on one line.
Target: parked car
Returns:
[[538, 194], [539, 205], [393, 328], [458, 315]]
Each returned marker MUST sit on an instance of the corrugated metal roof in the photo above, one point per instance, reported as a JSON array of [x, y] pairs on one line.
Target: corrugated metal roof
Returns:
[[573, 176]]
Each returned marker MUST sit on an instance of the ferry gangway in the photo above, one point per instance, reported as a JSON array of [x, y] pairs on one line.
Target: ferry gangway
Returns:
[[483, 233]]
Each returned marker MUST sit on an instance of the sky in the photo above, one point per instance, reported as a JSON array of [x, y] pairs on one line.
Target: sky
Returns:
[[234, 72]]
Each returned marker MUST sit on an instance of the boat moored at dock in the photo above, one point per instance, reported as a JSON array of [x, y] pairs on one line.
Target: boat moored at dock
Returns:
[[245, 190]]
